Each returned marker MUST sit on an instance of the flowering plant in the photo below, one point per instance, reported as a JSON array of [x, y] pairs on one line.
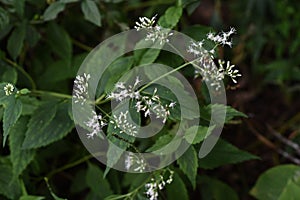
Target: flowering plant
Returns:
[[154, 107]]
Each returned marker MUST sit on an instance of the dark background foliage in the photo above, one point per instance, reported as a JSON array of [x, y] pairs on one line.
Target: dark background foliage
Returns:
[[43, 43]]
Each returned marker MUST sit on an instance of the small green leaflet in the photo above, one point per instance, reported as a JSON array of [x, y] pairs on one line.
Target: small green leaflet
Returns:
[[188, 163], [49, 123], [91, 12], [9, 187], [20, 158], [99, 186], [177, 189], [12, 111], [278, 183], [224, 153], [53, 10], [201, 133], [16, 41]]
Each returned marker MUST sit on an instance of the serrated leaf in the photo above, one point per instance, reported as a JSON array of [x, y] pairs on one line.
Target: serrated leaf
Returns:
[[53, 10], [215, 189], [9, 187], [177, 189], [188, 163], [48, 127], [95, 181], [20, 158], [201, 133], [19, 6], [91, 12], [30, 197], [16, 41], [278, 183], [224, 153], [30, 104], [12, 112]]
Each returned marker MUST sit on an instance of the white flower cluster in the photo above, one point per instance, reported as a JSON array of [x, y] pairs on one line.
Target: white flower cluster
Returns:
[[93, 124], [154, 33], [155, 185], [204, 63], [123, 125], [222, 38], [149, 104], [136, 162], [144, 23], [81, 88], [123, 92], [228, 70], [9, 89]]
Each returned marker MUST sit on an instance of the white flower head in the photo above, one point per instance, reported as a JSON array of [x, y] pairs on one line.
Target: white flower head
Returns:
[[144, 22], [123, 92], [157, 184], [81, 86], [138, 163], [9, 89], [121, 122], [222, 38], [94, 125]]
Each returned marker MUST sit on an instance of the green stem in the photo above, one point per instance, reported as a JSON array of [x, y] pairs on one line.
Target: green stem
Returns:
[[18, 67], [71, 165], [166, 74], [54, 94], [81, 45]]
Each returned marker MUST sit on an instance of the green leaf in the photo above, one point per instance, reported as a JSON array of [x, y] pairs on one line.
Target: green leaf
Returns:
[[215, 189], [60, 42], [188, 163], [91, 12], [202, 133], [9, 187], [278, 183], [219, 118], [30, 104], [20, 158], [95, 181], [147, 55], [12, 112], [160, 142], [19, 6], [53, 10], [16, 41], [49, 123], [177, 189], [224, 153], [4, 19], [171, 17], [30, 197], [9, 74]]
